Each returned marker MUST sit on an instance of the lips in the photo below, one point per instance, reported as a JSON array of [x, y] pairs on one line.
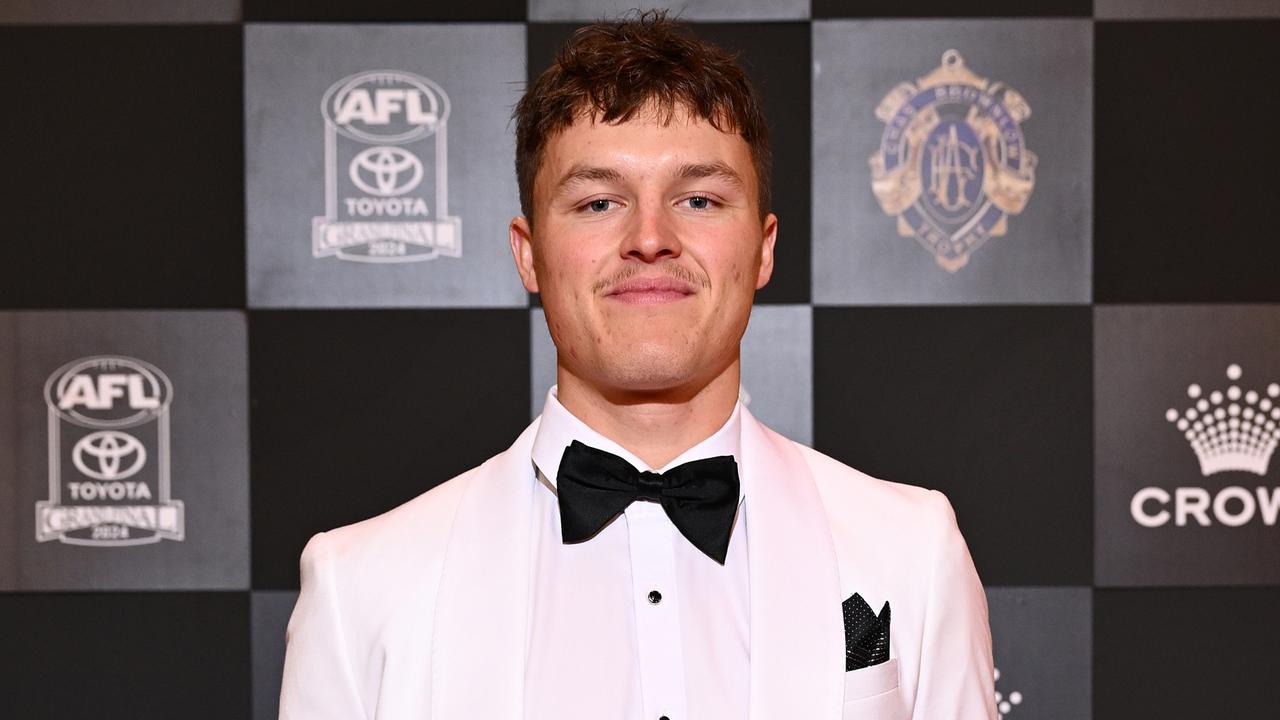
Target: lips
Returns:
[[650, 290]]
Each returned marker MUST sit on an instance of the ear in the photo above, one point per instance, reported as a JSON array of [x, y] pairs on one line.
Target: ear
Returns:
[[766, 250], [521, 236]]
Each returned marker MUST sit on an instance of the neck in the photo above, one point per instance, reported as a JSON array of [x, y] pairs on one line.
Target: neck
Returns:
[[655, 425]]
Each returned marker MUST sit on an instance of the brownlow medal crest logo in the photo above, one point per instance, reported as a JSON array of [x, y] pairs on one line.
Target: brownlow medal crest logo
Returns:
[[952, 165]]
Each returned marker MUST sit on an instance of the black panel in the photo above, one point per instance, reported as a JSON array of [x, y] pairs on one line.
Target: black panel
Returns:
[[1192, 653], [355, 412], [777, 56], [142, 656], [124, 167], [384, 10], [949, 8], [1186, 153], [990, 405]]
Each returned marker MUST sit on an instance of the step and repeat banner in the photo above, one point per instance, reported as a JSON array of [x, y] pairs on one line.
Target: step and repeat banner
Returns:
[[255, 284]]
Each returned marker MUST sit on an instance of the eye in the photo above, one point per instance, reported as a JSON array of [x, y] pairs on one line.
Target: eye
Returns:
[[699, 202], [599, 205]]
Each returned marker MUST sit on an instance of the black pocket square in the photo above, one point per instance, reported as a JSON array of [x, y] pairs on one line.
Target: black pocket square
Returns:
[[866, 636]]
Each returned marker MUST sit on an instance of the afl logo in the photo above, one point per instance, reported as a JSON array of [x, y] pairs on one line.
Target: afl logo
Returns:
[[108, 392], [386, 171], [385, 106], [108, 455]]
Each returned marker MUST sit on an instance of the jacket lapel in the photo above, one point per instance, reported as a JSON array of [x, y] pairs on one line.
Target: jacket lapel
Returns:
[[797, 630], [478, 652]]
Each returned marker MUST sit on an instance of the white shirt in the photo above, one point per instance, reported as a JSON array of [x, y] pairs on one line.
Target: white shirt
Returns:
[[595, 637]]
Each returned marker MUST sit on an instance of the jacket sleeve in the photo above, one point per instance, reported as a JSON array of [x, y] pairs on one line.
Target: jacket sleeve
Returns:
[[318, 680], [957, 673]]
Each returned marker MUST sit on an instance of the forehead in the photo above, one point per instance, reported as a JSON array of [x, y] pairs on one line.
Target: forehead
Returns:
[[649, 140]]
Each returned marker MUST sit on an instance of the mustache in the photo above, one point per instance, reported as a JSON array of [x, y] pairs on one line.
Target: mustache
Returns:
[[675, 272]]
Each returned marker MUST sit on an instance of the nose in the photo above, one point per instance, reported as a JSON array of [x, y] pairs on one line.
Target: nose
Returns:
[[651, 234]]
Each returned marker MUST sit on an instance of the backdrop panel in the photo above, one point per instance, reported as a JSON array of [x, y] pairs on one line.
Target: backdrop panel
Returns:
[[951, 162], [270, 616], [355, 412], [950, 8], [127, 180], [130, 451], [987, 404], [1184, 9], [1156, 658], [589, 10], [81, 12], [1187, 420], [1043, 645], [1185, 149], [125, 655], [380, 171], [375, 10]]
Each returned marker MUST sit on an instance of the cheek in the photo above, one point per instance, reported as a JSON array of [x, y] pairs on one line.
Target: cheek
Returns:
[[741, 269], [572, 261], [556, 272], [742, 258]]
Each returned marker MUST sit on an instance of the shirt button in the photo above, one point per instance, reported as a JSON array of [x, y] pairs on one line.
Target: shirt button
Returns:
[[664, 717], [655, 597]]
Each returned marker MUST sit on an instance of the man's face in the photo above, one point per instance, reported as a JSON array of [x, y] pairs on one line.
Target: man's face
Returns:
[[647, 249]]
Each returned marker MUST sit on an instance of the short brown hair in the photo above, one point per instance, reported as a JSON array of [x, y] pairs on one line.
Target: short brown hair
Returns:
[[612, 69]]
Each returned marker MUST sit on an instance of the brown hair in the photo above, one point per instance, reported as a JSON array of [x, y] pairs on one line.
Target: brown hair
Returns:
[[612, 69]]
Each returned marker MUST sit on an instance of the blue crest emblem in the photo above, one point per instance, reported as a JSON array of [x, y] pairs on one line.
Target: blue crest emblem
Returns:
[[952, 164]]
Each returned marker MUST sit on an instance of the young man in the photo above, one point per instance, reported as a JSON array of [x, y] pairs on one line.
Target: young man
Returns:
[[646, 549]]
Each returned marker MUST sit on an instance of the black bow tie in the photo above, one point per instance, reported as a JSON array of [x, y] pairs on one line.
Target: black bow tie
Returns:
[[700, 497]]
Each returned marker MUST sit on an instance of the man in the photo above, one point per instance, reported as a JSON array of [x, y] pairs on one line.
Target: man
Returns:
[[646, 549]]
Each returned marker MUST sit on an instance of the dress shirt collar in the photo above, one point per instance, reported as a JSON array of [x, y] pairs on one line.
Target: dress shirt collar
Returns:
[[559, 427]]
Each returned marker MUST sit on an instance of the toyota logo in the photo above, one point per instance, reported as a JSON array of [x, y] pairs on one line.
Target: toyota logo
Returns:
[[386, 171], [109, 455]]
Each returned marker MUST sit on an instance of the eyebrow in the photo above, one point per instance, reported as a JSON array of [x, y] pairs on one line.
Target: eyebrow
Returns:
[[587, 173], [712, 169], [595, 173]]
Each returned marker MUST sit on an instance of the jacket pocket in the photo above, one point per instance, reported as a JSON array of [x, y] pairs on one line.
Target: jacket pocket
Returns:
[[870, 693]]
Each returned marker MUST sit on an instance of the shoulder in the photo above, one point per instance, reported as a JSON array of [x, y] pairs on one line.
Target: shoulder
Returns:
[[896, 541], [857, 501], [368, 592], [402, 548]]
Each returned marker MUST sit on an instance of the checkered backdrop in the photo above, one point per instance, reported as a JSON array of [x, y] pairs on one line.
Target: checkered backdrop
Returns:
[[255, 284]]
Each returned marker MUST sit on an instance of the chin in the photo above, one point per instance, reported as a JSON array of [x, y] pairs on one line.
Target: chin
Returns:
[[642, 376]]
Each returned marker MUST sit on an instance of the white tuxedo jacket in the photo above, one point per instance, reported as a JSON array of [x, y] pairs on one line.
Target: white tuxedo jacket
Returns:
[[420, 612]]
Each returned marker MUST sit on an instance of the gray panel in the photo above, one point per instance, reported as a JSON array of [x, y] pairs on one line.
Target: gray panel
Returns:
[[1043, 643], [589, 10], [9, 538], [119, 11], [931, 231], [1172, 510], [407, 204], [777, 367], [270, 616], [93, 464], [1172, 9], [542, 360]]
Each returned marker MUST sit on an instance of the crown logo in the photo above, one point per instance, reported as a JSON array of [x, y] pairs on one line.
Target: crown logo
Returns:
[[1004, 705], [1240, 435]]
